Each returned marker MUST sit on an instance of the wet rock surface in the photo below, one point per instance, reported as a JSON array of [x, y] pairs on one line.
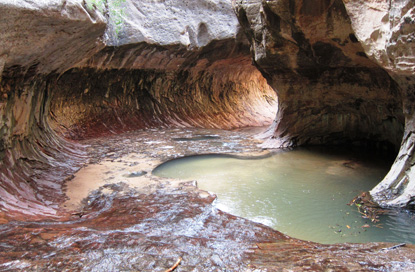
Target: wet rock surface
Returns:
[[50, 52], [63, 75], [120, 227]]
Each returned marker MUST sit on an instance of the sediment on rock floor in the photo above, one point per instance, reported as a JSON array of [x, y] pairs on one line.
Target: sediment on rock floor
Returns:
[[121, 227]]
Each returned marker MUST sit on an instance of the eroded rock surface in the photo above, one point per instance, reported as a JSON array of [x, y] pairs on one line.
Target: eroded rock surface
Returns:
[[389, 40], [48, 35], [70, 71], [343, 72], [123, 227], [67, 70], [329, 91]]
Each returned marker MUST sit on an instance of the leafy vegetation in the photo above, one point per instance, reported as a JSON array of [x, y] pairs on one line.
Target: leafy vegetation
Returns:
[[112, 8]]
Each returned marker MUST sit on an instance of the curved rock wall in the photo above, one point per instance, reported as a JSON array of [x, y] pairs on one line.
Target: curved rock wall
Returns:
[[38, 38], [88, 103], [343, 70], [329, 91], [143, 85], [389, 39], [35, 161], [67, 69]]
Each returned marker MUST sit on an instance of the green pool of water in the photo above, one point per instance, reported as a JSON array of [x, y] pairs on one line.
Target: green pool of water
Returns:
[[302, 193]]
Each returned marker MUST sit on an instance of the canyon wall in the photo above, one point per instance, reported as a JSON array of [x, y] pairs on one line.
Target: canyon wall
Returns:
[[216, 93], [329, 91], [386, 30], [37, 39], [343, 71], [70, 70]]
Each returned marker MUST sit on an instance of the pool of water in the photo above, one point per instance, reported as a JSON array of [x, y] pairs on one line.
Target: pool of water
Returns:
[[302, 193]]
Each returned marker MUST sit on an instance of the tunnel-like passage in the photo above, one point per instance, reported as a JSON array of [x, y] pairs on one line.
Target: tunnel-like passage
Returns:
[[75, 70], [329, 91], [227, 93], [211, 83]]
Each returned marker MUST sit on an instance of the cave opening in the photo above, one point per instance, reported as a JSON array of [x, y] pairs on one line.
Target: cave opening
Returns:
[[88, 103]]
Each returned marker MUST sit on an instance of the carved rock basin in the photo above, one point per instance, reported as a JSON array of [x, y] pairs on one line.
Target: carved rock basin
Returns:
[[124, 226]]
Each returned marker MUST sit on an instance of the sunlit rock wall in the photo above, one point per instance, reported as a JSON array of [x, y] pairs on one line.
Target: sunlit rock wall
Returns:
[[386, 30], [168, 64], [329, 91], [191, 23], [70, 70], [111, 101], [48, 35]]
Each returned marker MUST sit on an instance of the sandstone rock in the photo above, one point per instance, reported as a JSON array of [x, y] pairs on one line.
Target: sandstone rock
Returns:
[[329, 91], [190, 23], [72, 70], [67, 69], [179, 69], [388, 38], [38, 38], [308, 49], [48, 35]]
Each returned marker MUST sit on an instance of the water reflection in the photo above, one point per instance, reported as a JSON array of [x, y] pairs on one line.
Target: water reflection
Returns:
[[302, 193]]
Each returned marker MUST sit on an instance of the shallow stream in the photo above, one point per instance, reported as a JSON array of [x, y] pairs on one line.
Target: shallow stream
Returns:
[[302, 193]]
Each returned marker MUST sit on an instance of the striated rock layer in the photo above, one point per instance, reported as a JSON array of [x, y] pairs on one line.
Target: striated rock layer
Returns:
[[68, 69], [73, 70], [37, 39], [225, 93]]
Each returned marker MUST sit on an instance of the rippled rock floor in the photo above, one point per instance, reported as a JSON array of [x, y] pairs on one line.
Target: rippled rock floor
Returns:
[[131, 220]]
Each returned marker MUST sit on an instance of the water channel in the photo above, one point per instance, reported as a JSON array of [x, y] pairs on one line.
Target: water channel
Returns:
[[302, 193]]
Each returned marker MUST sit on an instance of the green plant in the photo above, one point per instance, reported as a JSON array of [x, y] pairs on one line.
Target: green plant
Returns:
[[112, 8], [96, 4]]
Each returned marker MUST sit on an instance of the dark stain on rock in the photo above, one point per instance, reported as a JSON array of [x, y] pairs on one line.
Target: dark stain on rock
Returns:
[[329, 55], [272, 19], [353, 38], [315, 7], [362, 54]]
